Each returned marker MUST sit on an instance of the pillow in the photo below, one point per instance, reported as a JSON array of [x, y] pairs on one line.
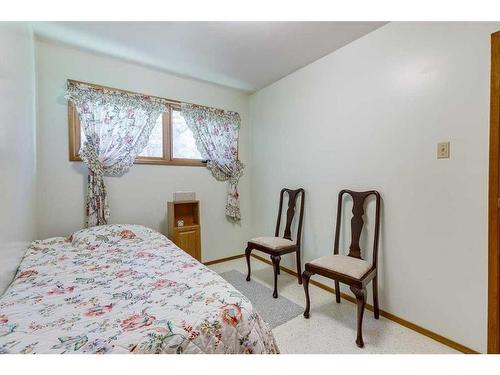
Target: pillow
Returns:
[[109, 235], [11, 255]]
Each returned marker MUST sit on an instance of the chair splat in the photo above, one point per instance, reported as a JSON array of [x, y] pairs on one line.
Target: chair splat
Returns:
[[290, 212], [357, 224]]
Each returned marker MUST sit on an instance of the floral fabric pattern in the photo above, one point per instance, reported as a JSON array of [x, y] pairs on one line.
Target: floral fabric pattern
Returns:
[[124, 289], [216, 134], [116, 126]]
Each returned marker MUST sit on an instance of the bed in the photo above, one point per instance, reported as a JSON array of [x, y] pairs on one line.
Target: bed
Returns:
[[124, 289]]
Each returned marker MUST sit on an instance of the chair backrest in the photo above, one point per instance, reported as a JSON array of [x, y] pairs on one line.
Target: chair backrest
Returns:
[[357, 223], [290, 213]]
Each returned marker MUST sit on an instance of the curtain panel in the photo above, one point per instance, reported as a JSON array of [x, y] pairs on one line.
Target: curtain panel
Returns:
[[216, 134], [116, 126]]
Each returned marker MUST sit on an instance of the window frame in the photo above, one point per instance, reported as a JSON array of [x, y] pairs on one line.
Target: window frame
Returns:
[[166, 159]]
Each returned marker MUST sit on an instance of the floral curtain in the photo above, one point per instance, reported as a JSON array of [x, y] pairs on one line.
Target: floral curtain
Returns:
[[216, 135], [116, 126]]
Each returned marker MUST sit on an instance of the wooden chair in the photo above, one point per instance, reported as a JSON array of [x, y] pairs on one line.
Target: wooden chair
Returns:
[[277, 246], [351, 269]]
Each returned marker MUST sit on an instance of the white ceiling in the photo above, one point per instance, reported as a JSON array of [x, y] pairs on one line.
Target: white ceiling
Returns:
[[243, 55]]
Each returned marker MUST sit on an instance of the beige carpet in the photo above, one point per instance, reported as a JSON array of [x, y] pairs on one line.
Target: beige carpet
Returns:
[[332, 326]]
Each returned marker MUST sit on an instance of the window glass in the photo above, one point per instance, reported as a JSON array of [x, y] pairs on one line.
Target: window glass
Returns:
[[183, 143], [154, 148]]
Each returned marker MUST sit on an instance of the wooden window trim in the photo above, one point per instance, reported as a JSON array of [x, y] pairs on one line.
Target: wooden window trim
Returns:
[[166, 159], [494, 202]]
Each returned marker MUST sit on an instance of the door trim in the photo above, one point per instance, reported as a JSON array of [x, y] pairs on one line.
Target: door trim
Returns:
[[494, 201]]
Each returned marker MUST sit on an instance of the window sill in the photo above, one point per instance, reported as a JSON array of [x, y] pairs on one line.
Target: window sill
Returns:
[[159, 161]]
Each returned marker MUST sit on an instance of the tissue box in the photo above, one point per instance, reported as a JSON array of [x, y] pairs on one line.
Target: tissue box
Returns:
[[184, 196]]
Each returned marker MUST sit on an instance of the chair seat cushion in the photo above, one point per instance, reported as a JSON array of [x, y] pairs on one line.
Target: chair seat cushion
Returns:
[[346, 265], [273, 242]]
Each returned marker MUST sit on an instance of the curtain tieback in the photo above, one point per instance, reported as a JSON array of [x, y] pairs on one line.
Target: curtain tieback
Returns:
[[90, 157]]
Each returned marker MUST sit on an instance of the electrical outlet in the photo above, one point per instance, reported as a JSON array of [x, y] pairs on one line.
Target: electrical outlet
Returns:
[[443, 150]]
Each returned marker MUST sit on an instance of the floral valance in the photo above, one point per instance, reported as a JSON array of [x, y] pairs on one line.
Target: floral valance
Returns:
[[98, 95]]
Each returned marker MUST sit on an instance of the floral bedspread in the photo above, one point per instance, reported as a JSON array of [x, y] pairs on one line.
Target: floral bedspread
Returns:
[[124, 289]]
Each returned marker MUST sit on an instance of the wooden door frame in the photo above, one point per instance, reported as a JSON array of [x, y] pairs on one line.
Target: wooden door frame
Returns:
[[494, 201]]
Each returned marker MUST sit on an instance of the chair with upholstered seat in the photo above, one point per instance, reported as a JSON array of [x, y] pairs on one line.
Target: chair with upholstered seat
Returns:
[[350, 269], [277, 246]]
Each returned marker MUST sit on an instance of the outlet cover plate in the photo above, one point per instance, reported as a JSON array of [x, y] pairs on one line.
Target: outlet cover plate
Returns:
[[443, 150]]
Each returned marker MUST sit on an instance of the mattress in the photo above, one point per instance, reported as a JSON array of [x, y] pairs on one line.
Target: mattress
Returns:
[[124, 289]]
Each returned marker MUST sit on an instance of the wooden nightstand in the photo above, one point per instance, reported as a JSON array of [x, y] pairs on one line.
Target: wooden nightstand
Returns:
[[188, 236]]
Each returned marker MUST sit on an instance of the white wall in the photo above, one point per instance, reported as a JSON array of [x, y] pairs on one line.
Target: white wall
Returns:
[[369, 116], [140, 196], [17, 146]]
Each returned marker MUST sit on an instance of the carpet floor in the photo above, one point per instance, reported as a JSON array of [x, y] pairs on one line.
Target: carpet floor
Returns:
[[332, 326]]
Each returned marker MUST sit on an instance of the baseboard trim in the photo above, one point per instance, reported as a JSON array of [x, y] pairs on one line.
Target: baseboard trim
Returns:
[[215, 261], [385, 314]]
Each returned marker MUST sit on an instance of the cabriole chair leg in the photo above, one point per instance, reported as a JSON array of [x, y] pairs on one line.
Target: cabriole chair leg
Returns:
[[276, 265], [360, 301], [247, 255], [306, 275]]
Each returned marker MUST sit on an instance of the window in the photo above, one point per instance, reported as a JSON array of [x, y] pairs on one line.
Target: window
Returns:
[[183, 143], [171, 141], [154, 148]]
